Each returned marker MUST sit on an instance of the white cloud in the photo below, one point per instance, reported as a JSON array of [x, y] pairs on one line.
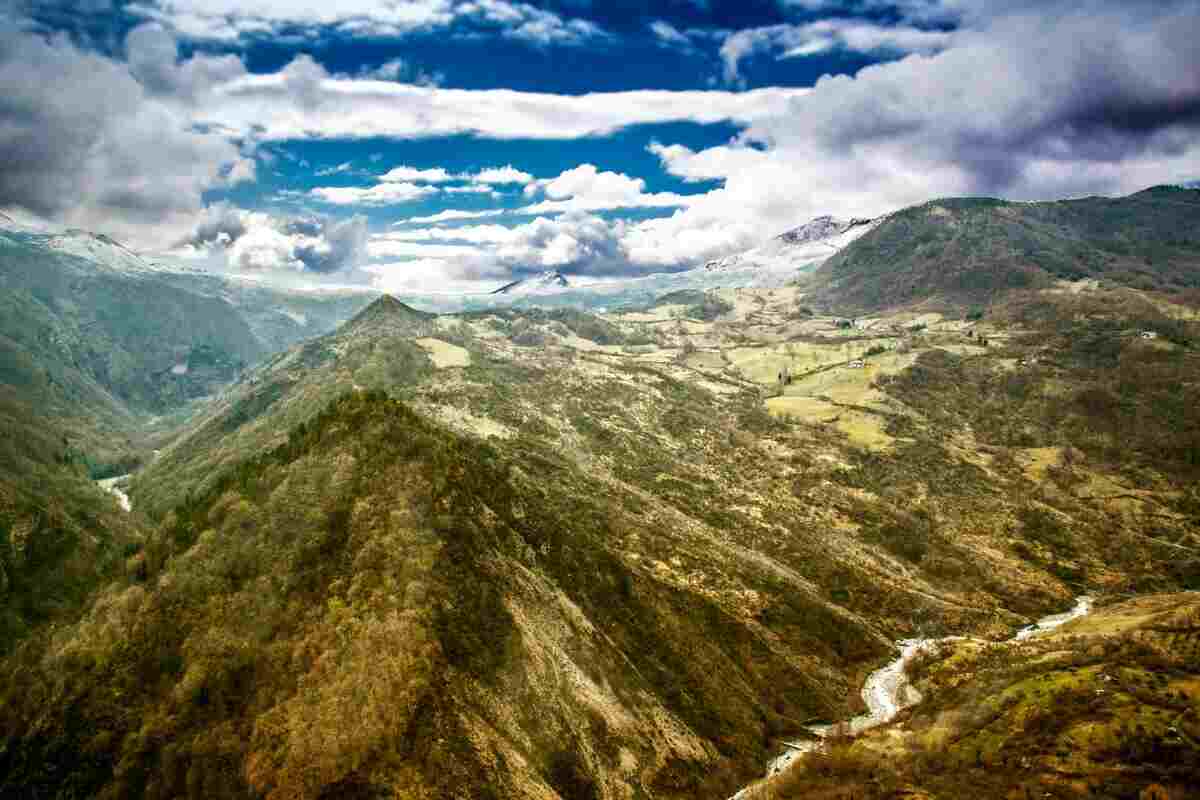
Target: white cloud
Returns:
[[793, 41], [670, 36], [264, 248], [471, 189], [379, 195], [397, 69], [405, 173], [253, 241], [98, 144], [386, 248], [303, 102], [476, 234], [585, 188], [404, 183], [228, 20], [530, 23], [345, 166], [715, 163], [447, 216], [244, 170], [501, 175]]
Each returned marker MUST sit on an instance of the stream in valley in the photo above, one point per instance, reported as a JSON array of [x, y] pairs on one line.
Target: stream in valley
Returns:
[[110, 485], [887, 691]]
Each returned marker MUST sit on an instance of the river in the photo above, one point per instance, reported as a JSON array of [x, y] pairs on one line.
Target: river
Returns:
[[110, 485], [887, 691]]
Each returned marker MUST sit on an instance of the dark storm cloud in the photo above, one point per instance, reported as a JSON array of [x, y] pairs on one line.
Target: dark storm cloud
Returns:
[[1097, 82], [338, 246], [221, 225], [257, 241], [83, 141], [56, 106]]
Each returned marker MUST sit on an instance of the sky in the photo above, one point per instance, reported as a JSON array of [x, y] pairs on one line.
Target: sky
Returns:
[[456, 145]]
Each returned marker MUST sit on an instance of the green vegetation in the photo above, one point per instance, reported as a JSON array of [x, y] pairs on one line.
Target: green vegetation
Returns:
[[1107, 713], [379, 565], [710, 308], [970, 250]]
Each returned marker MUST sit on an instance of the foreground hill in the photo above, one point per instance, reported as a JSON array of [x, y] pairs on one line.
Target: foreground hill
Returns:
[[966, 251]]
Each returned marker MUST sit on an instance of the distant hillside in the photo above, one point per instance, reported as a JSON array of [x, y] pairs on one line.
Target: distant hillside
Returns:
[[94, 340], [969, 250]]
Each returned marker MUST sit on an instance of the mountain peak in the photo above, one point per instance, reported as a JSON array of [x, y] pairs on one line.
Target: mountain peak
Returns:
[[818, 228], [387, 309], [548, 281]]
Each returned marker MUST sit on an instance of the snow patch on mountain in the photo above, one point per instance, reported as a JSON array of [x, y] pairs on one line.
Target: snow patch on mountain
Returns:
[[547, 282], [780, 259], [101, 249], [13, 220]]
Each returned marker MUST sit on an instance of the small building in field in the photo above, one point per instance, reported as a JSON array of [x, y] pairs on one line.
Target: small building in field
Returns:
[[857, 363]]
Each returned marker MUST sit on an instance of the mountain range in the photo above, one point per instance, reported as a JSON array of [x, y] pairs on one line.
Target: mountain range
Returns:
[[531, 550]]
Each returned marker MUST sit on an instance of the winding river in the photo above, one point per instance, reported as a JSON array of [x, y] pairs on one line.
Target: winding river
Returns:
[[110, 485], [887, 690]]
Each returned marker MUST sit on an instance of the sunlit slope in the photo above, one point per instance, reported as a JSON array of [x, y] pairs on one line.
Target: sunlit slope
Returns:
[[968, 251], [1106, 708], [381, 606]]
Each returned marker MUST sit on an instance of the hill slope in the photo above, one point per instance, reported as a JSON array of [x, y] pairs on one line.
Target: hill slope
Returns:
[[1106, 708], [966, 251]]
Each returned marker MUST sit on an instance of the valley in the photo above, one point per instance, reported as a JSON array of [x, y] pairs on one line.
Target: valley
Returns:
[[534, 550]]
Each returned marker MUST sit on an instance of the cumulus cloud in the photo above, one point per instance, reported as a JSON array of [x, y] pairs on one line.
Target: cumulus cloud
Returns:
[[406, 173], [586, 188], [792, 41], [582, 244], [84, 141], [397, 69], [448, 215], [152, 54], [254, 241], [475, 234], [529, 23], [404, 184], [472, 189], [304, 102], [229, 20], [382, 194], [496, 176]]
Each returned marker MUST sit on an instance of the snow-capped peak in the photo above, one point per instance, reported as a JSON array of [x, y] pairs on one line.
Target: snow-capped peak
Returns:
[[544, 283], [820, 229], [778, 260]]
